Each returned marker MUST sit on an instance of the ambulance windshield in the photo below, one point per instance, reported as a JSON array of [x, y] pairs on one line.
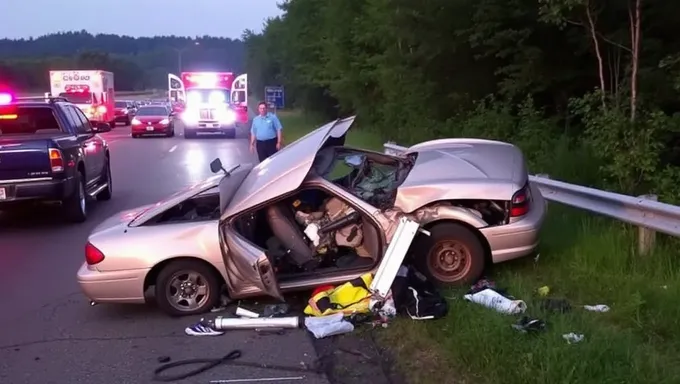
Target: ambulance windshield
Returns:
[[207, 96], [78, 97]]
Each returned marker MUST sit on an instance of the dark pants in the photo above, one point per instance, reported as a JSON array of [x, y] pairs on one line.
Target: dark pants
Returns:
[[265, 148]]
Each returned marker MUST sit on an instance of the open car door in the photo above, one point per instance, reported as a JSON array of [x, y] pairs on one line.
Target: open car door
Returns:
[[176, 91], [239, 90], [247, 265], [239, 97]]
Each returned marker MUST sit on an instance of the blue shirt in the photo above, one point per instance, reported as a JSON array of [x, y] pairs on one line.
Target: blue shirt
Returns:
[[265, 127]]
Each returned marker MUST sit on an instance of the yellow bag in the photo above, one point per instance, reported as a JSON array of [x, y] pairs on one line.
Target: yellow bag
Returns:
[[348, 298]]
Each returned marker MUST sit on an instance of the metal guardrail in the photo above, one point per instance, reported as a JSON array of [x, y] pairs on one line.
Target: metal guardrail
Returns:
[[640, 211]]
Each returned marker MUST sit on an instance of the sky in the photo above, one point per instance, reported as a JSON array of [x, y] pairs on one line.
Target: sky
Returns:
[[219, 18]]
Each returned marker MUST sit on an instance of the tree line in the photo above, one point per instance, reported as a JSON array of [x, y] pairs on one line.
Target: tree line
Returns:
[[588, 88], [137, 63]]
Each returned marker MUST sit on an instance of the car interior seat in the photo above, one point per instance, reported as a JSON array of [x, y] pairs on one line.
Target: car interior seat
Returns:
[[282, 222]]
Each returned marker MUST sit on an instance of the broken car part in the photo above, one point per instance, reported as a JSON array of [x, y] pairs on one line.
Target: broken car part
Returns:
[[224, 323]]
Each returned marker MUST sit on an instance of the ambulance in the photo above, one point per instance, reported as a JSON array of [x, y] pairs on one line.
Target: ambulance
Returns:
[[209, 101], [92, 91]]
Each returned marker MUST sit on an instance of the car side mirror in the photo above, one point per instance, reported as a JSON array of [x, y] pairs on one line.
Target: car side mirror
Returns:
[[216, 165], [102, 127]]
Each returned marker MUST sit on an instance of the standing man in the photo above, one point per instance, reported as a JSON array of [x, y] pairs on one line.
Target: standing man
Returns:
[[265, 133]]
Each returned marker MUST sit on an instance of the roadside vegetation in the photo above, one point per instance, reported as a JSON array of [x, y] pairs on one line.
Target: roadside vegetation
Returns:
[[587, 89]]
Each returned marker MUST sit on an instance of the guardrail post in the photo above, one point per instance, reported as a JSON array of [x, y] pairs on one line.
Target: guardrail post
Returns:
[[646, 236]]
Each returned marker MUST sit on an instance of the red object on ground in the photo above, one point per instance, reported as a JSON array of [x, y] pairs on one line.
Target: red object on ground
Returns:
[[322, 288]]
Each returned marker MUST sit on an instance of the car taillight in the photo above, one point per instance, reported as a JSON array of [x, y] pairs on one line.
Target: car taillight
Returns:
[[56, 160], [519, 206], [93, 255], [101, 109]]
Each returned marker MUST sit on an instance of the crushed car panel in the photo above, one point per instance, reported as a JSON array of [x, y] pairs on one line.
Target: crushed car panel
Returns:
[[476, 169]]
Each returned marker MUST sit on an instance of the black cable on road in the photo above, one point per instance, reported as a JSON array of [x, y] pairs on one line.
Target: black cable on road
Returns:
[[227, 359]]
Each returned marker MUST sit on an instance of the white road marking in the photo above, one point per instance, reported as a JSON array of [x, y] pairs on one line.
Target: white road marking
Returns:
[[173, 148]]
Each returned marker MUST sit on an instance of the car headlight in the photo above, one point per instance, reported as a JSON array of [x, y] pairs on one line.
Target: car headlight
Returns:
[[190, 116], [135, 122], [228, 117], [165, 121]]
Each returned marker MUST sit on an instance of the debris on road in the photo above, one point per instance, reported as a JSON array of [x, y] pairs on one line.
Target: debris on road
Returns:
[[596, 308], [494, 300], [573, 338]]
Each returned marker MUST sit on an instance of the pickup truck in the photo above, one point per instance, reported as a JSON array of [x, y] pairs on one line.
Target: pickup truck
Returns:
[[51, 152]]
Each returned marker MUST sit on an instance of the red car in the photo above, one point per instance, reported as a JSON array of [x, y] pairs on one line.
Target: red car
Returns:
[[153, 120]]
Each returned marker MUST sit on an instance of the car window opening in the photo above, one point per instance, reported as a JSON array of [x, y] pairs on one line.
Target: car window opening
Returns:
[[374, 178], [28, 120], [312, 232], [202, 207]]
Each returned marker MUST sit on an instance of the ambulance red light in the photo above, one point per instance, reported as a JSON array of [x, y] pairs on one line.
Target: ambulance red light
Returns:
[[5, 98]]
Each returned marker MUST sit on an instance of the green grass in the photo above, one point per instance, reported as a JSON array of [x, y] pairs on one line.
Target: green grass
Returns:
[[583, 259]]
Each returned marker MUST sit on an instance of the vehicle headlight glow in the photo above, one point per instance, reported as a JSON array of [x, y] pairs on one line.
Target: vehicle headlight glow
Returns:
[[135, 122], [216, 97], [227, 117], [190, 116], [194, 97], [165, 121]]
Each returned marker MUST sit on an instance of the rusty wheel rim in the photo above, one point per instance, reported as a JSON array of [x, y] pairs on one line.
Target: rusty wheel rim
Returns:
[[449, 260]]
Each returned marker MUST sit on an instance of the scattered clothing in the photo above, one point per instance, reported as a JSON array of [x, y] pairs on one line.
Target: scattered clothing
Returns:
[[573, 338], [527, 325], [352, 297], [201, 329], [324, 326], [596, 308], [417, 297], [494, 300]]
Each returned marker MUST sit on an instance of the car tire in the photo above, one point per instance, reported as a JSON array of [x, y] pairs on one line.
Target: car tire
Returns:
[[181, 271], [106, 194], [127, 121], [135, 136], [75, 206], [451, 255], [188, 134]]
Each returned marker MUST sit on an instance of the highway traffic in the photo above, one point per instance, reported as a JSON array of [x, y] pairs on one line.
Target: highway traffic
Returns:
[[50, 332]]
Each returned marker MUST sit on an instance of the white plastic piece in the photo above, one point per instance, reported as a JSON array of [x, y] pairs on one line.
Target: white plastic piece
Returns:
[[312, 232], [596, 308], [324, 326], [394, 257], [494, 300], [242, 312], [224, 323]]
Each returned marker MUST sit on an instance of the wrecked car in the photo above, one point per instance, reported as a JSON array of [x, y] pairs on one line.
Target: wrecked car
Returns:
[[318, 213]]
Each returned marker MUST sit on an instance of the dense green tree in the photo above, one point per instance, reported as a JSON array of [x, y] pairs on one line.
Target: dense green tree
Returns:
[[596, 77]]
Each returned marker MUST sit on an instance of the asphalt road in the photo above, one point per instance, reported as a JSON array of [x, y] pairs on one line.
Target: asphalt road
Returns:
[[48, 331]]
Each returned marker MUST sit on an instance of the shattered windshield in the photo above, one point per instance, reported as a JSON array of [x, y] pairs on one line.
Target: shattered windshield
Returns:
[[373, 179]]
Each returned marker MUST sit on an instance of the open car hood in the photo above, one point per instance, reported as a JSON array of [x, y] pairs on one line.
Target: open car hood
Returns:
[[151, 211], [285, 171]]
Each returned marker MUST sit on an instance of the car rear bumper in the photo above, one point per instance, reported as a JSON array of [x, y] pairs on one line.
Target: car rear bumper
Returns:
[[121, 118], [209, 127], [113, 286], [150, 129], [39, 189], [520, 238]]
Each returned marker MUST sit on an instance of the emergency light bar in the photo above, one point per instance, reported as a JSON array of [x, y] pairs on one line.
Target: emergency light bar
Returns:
[[5, 98]]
